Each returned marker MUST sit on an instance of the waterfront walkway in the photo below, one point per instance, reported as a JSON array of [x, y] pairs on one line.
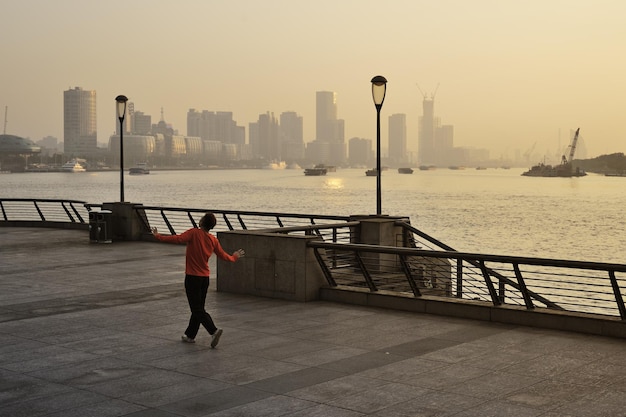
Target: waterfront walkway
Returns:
[[94, 330]]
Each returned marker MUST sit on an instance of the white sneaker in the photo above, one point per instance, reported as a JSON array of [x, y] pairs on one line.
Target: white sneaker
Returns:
[[215, 337], [186, 339]]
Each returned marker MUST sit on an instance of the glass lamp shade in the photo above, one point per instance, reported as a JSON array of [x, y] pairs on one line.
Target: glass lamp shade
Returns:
[[121, 106], [379, 88]]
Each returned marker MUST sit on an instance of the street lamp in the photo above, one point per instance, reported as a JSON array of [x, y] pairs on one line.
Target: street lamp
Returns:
[[121, 113], [379, 88]]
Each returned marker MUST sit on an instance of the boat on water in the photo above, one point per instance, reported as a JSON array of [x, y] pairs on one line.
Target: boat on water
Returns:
[[405, 170], [565, 169], [315, 171], [139, 169], [328, 168], [427, 167], [371, 172], [72, 166]]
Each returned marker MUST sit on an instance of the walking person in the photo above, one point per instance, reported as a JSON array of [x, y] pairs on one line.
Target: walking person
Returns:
[[201, 244]]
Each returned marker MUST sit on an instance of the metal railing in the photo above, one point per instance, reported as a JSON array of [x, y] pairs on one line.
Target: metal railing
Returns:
[[572, 286], [43, 212], [419, 265], [177, 220]]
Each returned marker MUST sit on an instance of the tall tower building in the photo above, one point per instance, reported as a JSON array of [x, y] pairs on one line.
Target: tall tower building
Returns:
[[397, 138], [327, 127], [426, 142], [79, 122], [291, 136], [264, 137], [329, 146]]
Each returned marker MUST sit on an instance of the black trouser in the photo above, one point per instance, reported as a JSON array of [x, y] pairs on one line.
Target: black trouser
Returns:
[[196, 289]]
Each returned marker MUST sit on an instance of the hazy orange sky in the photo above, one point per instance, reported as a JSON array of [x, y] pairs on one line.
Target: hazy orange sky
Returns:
[[510, 73]]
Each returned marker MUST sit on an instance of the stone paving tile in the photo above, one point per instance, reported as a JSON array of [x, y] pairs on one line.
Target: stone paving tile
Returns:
[[429, 402], [328, 391], [549, 394], [203, 405], [98, 334], [274, 406], [373, 400]]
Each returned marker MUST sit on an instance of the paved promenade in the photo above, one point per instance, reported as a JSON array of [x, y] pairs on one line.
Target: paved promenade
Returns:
[[94, 330]]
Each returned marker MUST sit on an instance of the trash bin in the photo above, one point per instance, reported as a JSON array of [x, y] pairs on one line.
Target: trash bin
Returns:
[[100, 226]]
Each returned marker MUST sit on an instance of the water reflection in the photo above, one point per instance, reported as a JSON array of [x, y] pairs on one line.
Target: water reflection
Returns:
[[334, 183]]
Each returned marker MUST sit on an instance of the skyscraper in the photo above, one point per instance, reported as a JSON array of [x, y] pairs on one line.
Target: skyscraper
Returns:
[[426, 142], [327, 127], [329, 145], [79, 122], [397, 138], [291, 136]]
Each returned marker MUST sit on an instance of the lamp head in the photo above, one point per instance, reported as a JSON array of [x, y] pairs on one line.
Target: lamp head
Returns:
[[121, 106], [379, 88]]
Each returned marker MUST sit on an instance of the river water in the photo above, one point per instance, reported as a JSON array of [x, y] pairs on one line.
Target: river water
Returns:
[[494, 211]]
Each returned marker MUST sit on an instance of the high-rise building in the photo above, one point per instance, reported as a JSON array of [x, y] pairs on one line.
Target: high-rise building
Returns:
[[215, 126], [327, 127], [79, 122], [426, 141], [360, 152], [291, 136], [264, 137], [141, 123], [397, 138], [329, 146]]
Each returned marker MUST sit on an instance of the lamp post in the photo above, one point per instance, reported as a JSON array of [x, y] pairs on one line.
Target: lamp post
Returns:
[[121, 113], [379, 88]]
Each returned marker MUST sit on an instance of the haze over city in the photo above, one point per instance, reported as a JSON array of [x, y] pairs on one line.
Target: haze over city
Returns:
[[505, 74]]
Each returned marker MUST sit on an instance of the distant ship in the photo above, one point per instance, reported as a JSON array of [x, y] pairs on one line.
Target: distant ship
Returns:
[[371, 172], [73, 166], [427, 167], [405, 170], [565, 169], [316, 171], [139, 169]]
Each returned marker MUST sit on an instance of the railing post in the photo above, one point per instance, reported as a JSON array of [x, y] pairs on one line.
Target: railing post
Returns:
[[522, 286], [618, 295], [459, 278], [492, 291], [366, 274], [409, 276]]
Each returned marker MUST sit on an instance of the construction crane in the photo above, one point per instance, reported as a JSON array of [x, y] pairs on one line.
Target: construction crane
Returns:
[[432, 96], [572, 149]]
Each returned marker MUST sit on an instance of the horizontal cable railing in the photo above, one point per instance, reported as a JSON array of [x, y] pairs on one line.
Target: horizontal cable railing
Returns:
[[176, 220], [43, 211], [572, 286], [419, 264]]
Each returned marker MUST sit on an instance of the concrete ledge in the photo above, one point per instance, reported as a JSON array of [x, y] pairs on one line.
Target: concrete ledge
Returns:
[[477, 310], [45, 224], [276, 265]]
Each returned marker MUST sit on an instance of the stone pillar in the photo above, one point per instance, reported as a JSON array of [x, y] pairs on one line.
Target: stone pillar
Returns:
[[380, 231], [128, 221]]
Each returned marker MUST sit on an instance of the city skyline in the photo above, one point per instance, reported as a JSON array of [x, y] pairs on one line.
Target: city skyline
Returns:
[[506, 74]]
